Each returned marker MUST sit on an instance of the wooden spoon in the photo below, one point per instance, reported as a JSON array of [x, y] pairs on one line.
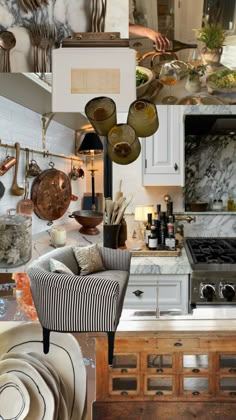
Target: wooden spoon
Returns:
[[117, 205], [122, 209], [109, 209], [119, 193], [15, 189]]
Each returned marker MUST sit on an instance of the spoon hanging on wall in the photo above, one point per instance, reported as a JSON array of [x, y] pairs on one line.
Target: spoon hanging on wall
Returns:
[[15, 189], [7, 42]]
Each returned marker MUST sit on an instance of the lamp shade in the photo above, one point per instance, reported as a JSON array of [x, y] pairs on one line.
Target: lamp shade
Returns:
[[142, 211], [91, 145]]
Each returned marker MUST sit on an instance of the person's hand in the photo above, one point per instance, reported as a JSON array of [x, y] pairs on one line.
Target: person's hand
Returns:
[[161, 42]]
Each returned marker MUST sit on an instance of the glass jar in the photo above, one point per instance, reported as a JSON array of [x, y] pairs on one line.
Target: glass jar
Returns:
[[16, 239]]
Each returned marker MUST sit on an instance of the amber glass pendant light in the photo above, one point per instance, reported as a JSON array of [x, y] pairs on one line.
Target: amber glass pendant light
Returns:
[[143, 118], [101, 113]]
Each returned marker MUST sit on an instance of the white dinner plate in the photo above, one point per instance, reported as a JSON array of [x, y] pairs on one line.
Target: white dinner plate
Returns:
[[42, 404], [13, 389], [64, 355]]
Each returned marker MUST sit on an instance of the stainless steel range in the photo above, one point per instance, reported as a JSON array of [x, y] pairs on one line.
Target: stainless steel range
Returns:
[[213, 279]]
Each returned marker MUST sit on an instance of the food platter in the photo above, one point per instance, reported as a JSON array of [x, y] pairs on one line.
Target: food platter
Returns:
[[222, 81]]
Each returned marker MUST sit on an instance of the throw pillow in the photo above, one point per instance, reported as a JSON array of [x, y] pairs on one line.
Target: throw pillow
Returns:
[[58, 267], [88, 259]]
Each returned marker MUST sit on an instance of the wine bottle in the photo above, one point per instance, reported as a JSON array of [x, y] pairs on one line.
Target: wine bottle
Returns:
[[152, 238], [148, 227], [178, 45]]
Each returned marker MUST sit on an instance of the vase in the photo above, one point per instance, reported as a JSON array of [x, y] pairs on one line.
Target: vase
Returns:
[[110, 236], [193, 84], [211, 57]]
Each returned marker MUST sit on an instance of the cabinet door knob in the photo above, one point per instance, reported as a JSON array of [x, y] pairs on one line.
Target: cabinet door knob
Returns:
[[178, 344], [159, 393], [159, 370], [138, 293], [232, 370], [195, 370], [124, 393], [195, 393], [124, 370], [232, 394], [176, 167]]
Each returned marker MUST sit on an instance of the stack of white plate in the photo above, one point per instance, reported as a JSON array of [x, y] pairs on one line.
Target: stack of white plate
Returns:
[[35, 386]]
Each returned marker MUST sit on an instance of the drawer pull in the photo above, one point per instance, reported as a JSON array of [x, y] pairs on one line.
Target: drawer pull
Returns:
[[196, 393], [124, 371], [178, 344], [232, 394], [138, 293], [232, 370], [124, 393], [159, 370], [196, 370], [176, 167], [159, 393]]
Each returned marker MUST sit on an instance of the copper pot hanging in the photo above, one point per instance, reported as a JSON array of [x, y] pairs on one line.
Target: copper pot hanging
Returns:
[[51, 194]]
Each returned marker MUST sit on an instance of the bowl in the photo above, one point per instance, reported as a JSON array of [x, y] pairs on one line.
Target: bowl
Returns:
[[198, 206], [143, 87], [89, 219]]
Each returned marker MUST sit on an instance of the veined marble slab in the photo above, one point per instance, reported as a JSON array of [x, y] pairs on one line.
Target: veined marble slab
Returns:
[[161, 265]]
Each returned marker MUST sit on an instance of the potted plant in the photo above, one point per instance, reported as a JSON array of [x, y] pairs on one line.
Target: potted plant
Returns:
[[193, 83], [213, 36]]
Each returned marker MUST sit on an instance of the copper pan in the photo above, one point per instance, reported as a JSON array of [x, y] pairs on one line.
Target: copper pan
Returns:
[[51, 194]]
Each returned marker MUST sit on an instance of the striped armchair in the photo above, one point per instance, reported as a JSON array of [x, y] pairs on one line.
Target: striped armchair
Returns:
[[74, 303]]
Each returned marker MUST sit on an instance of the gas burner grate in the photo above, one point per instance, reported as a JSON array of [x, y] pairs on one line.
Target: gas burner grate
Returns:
[[212, 250]]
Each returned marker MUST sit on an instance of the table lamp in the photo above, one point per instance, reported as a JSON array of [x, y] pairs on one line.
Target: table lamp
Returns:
[[91, 146], [140, 215]]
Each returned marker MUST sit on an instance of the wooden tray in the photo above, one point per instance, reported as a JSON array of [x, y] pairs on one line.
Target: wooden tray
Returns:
[[157, 253]]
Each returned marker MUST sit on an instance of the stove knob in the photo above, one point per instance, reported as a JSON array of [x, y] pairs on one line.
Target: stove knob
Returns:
[[228, 292], [208, 292]]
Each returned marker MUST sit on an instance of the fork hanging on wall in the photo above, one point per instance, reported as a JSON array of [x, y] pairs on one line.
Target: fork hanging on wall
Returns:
[[99, 8]]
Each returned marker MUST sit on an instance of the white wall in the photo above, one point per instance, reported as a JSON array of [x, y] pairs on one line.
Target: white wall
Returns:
[[19, 124]]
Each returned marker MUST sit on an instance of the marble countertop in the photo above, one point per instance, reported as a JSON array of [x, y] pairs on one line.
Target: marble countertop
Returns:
[[41, 244], [161, 265]]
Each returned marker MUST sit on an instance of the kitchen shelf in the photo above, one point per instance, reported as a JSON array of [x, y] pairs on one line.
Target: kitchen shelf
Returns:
[[28, 90]]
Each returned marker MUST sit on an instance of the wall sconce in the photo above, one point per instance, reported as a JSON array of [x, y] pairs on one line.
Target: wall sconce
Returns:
[[140, 215]]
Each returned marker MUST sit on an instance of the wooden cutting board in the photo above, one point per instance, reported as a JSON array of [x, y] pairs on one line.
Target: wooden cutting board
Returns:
[[144, 252]]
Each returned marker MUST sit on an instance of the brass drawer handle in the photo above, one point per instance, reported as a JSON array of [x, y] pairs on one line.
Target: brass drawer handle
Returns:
[[124, 371], [196, 370], [196, 393], [124, 393], [232, 394], [232, 370], [159, 393], [159, 370], [178, 344]]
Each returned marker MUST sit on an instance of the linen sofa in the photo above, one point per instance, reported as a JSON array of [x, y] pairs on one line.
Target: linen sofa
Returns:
[[75, 303]]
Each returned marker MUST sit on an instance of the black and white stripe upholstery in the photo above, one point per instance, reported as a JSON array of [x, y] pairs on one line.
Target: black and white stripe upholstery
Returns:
[[75, 303]]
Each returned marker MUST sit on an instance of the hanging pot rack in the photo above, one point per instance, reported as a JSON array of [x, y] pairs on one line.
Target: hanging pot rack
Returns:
[[44, 153]]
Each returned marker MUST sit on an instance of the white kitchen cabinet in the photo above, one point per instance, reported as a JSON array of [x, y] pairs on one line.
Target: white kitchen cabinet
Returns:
[[163, 153], [172, 292]]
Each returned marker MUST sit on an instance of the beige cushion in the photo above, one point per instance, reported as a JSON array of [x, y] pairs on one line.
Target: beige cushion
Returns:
[[88, 259], [58, 267]]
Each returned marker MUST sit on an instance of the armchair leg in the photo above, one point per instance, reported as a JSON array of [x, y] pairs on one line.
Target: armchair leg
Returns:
[[46, 342], [111, 340]]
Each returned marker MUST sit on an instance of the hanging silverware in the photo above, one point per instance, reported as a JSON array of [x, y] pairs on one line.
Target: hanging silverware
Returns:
[[99, 8]]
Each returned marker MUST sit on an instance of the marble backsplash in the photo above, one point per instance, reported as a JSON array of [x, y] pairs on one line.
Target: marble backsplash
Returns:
[[210, 167]]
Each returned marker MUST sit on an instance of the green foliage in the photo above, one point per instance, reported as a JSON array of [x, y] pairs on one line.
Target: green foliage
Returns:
[[212, 35], [196, 71]]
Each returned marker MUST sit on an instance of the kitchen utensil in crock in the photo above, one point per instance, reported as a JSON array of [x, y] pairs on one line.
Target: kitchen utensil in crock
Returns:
[[26, 206], [89, 219], [119, 194], [51, 194], [7, 42], [122, 209], [15, 189]]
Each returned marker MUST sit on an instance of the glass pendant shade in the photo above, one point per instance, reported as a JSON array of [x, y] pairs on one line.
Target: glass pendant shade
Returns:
[[143, 118], [101, 113], [123, 145]]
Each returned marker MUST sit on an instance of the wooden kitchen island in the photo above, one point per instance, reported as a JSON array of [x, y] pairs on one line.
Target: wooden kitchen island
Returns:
[[178, 368]]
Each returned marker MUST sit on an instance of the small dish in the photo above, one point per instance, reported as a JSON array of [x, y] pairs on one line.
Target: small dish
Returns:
[[13, 389]]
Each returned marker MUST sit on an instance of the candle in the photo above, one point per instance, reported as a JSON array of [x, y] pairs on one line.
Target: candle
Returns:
[[58, 236]]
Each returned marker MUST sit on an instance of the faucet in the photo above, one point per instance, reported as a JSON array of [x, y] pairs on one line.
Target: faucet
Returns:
[[185, 217]]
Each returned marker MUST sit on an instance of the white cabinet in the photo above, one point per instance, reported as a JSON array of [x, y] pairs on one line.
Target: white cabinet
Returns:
[[171, 289], [163, 153]]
